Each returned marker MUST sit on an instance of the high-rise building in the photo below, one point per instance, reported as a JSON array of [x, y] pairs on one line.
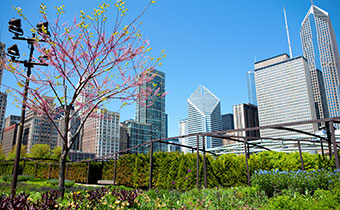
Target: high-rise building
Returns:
[[251, 87], [101, 133], [138, 133], [38, 129], [204, 115], [246, 116], [227, 122], [154, 114], [284, 94], [182, 131], [9, 138], [321, 51], [11, 120]]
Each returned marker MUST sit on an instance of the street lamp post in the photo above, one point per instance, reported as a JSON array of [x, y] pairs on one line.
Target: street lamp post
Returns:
[[13, 52]]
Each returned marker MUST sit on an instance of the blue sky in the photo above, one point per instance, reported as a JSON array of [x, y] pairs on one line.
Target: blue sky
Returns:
[[213, 43]]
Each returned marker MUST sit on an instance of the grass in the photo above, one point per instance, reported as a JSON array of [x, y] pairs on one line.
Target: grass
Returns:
[[32, 185]]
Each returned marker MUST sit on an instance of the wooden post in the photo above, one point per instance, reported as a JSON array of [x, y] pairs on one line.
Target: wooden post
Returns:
[[36, 169], [198, 163], [246, 156], [49, 173], [88, 172], [114, 170], [151, 166], [204, 163], [301, 158], [336, 155]]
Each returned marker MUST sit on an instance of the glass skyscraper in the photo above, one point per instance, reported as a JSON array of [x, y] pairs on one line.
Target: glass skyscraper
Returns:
[[154, 114], [321, 51], [204, 115], [251, 87]]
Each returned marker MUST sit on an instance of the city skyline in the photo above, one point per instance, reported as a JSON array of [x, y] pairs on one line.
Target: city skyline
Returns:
[[221, 45]]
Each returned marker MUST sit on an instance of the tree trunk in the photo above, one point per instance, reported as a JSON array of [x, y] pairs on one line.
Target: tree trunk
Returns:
[[62, 166]]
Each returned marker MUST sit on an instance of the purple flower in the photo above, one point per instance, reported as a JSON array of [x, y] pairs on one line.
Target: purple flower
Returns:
[[173, 182], [186, 177], [189, 170]]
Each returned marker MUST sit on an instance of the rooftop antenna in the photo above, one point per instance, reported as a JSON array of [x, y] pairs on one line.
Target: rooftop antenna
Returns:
[[311, 1], [290, 47]]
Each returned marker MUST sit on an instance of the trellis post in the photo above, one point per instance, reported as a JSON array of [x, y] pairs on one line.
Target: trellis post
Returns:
[[336, 155], [204, 163], [198, 163], [151, 166], [114, 170]]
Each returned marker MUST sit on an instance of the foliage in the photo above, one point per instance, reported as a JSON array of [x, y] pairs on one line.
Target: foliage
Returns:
[[304, 182], [40, 151], [2, 153], [56, 153], [11, 154]]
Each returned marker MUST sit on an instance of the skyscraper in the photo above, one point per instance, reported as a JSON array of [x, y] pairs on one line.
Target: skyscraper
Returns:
[[102, 133], [228, 121], [204, 115], [182, 131], [246, 116], [251, 87], [321, 51], [284, 94], [154, 114]]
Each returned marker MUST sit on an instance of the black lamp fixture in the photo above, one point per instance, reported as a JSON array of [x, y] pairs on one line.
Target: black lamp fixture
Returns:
[[13, 52], [14, 26], [43, 28]]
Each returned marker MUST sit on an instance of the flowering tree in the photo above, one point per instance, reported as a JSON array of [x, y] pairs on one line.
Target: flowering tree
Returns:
[[88, 66]]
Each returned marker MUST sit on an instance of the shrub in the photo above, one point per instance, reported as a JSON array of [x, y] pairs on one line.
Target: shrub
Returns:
[[275, 181]]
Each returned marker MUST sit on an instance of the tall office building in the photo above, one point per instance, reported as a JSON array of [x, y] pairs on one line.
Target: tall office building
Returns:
[[284, 94], [227, 122], [182, 131], [154, 114], [251, 87], [246, 116], [204, 115], [138, 133], [321, 51], [101, 133]]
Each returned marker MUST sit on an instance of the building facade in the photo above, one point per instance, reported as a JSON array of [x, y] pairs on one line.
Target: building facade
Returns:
[[321, 51], [227, 122], [246, 116], [284, 94], [251, 87], [9, 138], [204, 115], [38, 129], [182, 131], [101, 133], [138, 133], [154, 114]]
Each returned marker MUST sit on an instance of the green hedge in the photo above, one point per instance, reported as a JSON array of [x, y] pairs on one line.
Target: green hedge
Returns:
[[177, 170]]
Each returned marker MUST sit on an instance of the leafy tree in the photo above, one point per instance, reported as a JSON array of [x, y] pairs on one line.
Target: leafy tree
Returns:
[[2, 153], [56, 153], [11, 154], [92, 61], [40, 151]]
